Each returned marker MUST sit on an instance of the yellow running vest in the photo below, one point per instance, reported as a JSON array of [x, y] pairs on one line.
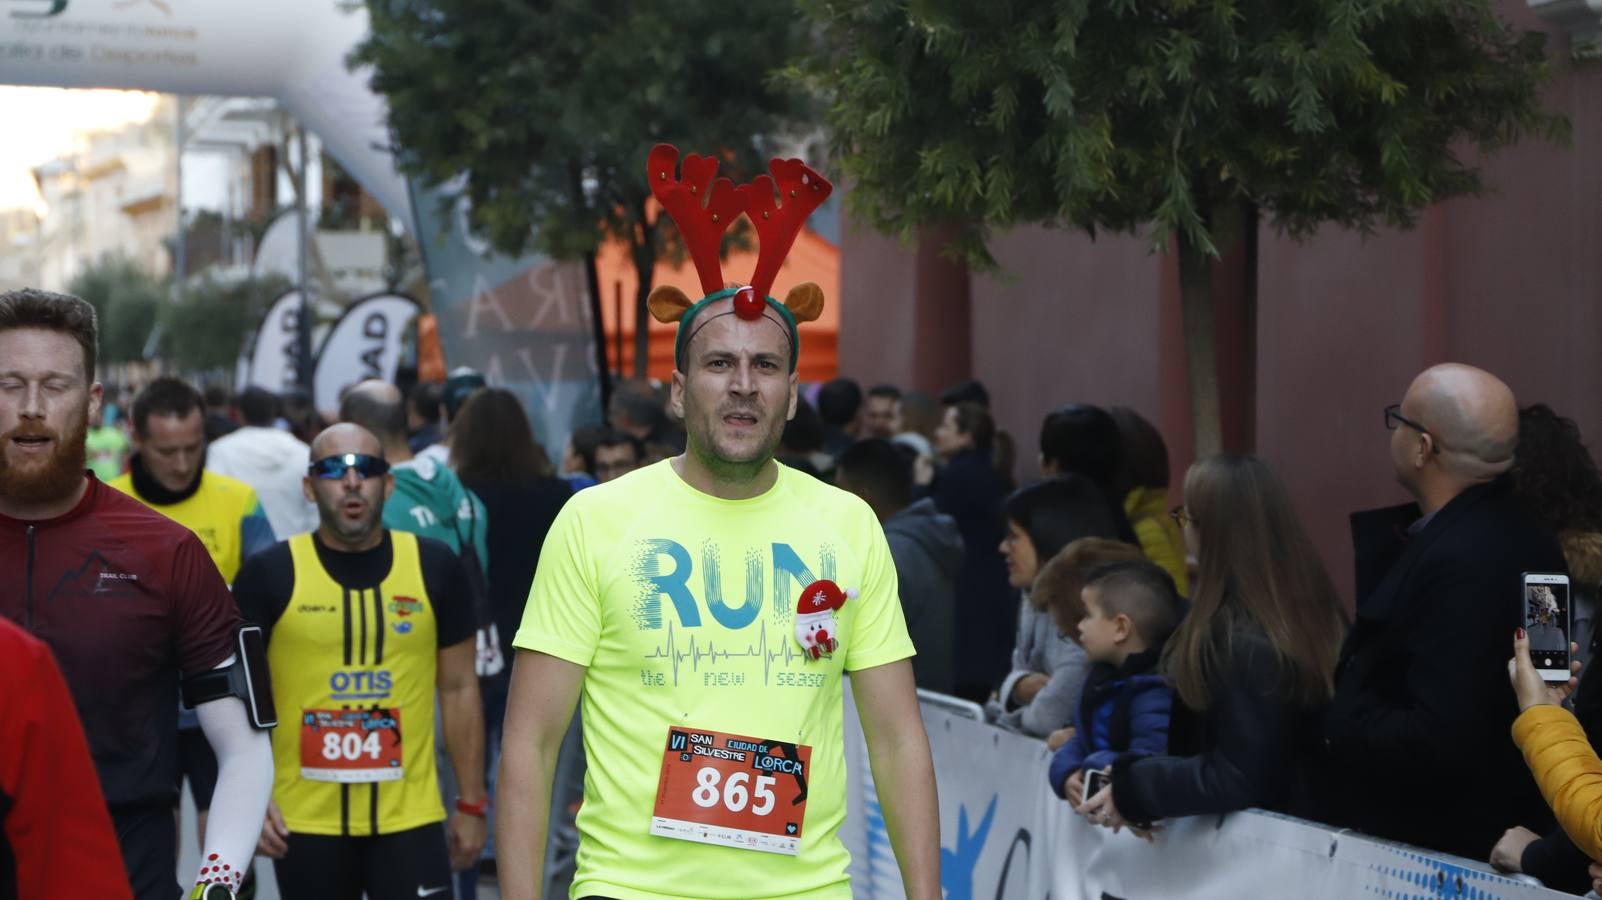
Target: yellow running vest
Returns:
[[213, 513], [354, 676]]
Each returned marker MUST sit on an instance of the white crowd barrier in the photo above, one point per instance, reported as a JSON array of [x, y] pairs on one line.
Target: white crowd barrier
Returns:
[[1006, 836]]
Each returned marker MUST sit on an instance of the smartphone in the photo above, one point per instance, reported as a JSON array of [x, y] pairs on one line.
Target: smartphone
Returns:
[[1095, 780], [257, 686], [1546, 621]]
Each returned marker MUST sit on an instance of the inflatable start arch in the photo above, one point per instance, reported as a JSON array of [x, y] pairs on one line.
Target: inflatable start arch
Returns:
[[525, 322], [291, 50]]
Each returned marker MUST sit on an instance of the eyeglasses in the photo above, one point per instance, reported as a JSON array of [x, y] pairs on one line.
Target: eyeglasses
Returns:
[[1179, 515], [333, 468], [1393, 417]]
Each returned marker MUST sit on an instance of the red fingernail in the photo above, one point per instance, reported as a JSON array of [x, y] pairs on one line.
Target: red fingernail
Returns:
[[1519, 634]]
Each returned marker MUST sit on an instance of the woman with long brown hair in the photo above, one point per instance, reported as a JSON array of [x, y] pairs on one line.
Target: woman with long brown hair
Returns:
[[495, 454], [1253, 662]]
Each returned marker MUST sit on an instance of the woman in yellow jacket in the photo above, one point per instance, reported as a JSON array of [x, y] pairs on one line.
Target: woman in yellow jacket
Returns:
[[1565, 766], [1146, 478]]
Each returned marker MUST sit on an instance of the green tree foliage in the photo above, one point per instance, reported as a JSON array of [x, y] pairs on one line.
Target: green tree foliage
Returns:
[[206, 330], [127, 301], [551, 108], [1190, 117]]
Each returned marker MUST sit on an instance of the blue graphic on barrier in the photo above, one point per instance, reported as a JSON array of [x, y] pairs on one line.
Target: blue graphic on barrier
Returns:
[[880, 854], [1436, 878], [956, 866]]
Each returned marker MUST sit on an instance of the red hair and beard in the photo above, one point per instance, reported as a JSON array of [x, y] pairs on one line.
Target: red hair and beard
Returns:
[[52, 478]]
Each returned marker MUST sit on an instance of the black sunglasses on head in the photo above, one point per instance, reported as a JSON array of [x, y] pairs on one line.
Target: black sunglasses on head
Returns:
[[334, 468]]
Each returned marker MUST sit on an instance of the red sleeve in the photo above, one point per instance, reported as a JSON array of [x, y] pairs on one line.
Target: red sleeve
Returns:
[[57, 825], [204, 613]]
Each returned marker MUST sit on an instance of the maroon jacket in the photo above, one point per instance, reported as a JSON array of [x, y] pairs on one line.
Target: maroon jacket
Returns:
[[127, 599], [56, 839]]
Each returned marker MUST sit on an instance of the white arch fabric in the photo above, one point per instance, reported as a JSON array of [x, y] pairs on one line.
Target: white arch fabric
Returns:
[[291, 50]]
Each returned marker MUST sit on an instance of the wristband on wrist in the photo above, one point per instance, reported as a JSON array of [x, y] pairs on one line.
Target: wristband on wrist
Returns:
[[211, 892], [479, 809]]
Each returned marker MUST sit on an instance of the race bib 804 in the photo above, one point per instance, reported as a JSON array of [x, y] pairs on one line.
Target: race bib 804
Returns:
[[732, 791], [350, 745]]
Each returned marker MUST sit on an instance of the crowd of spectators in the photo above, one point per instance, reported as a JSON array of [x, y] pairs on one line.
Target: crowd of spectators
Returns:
[[1178, 661]]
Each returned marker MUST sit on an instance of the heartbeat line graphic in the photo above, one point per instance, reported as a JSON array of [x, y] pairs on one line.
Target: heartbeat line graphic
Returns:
[[694, 652]]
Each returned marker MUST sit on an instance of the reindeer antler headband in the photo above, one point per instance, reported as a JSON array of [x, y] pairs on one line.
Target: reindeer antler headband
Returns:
[[799, 191]]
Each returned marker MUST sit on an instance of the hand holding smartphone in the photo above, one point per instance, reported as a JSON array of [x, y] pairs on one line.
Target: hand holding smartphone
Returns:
[[1095, 780], [1546, 620]]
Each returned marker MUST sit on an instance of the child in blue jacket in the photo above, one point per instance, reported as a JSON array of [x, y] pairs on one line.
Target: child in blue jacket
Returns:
[[1130, 610]]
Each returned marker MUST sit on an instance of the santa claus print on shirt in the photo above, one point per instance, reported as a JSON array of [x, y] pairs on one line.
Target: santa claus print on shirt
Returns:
[[816, 625]]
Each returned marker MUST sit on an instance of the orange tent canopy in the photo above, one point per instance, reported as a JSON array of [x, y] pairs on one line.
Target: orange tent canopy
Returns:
[[811, 259]]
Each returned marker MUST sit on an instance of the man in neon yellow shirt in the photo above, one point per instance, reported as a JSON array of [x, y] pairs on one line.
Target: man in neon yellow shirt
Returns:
[[108, 446], [708, 608]]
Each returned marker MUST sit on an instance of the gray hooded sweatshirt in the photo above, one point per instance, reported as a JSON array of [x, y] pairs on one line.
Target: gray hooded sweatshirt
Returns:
[[927, 549]]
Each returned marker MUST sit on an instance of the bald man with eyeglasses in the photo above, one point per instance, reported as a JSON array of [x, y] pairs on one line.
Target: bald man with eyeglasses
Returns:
[[1420, 719], [366, 625]]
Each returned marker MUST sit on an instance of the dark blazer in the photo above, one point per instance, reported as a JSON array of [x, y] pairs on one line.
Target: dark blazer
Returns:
[[970, 490], [1417, 739], [1243, 750]]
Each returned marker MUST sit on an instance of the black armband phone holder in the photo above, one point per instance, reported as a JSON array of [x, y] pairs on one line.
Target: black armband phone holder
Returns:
[[247, 678]]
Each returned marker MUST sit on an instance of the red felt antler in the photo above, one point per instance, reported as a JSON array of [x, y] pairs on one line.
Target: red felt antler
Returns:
[[801, 190], [701, 226]]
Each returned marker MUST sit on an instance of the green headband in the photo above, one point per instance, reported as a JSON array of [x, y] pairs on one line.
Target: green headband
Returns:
[[682, 342]]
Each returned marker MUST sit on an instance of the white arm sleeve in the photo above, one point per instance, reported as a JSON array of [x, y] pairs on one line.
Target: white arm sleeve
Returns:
[[244, 784]]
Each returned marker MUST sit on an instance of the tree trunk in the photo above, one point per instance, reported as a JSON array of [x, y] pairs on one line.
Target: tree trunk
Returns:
[[592, 280], [1201, 354], [642, 326], [644, 270]]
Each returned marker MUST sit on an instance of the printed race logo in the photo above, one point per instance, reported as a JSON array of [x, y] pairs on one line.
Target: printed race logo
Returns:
[[97, 577], [405, 606], [361, 684]]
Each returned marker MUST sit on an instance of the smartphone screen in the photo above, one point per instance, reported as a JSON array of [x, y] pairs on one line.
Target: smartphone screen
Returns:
[[1546, 620], [1095, 780]]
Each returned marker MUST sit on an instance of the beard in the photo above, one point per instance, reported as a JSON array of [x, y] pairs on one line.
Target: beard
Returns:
[[731, 459], [49, 479], [354, 532]]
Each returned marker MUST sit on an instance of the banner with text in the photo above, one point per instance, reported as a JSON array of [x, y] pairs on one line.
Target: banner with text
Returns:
[[275, 355], [525, 323], [365, 343], [1005, 836]]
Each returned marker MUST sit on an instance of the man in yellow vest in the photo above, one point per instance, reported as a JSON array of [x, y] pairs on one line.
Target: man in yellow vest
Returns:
[[365, 625], [167, 473]]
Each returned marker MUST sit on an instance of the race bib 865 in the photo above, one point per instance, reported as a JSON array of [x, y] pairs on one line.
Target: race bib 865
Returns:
[[732, 791]]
